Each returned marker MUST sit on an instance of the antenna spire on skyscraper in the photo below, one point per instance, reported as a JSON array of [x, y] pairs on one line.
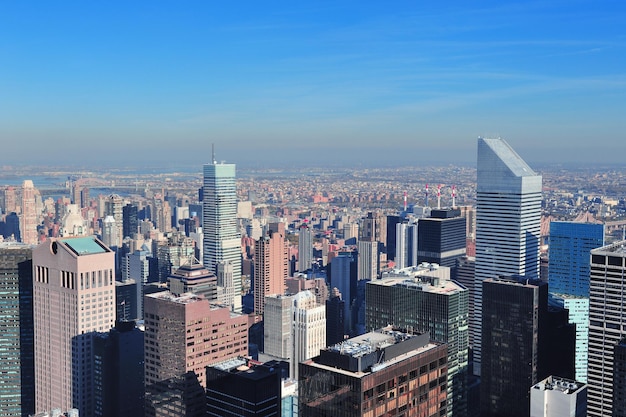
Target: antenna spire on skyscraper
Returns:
[[213, 154]]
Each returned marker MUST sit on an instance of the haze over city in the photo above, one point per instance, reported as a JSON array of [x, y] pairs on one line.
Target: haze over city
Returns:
[[340, 83]]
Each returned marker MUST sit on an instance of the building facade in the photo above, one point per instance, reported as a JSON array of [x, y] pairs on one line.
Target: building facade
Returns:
[[17, 375], [556, 397], [607, 324], [305, 247], [381, 373], [441, 237], [271, 268], [222, 241], [186, 333], [73, 279], [508, 223]]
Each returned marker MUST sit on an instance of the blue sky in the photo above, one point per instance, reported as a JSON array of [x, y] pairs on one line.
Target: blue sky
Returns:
[[159, 81]]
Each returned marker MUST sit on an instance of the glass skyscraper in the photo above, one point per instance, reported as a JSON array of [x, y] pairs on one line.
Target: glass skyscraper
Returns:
[[508, 222], [568, 265], [568, 278], [222, 242]]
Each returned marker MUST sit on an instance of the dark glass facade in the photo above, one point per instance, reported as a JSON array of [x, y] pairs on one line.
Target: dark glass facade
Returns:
[[441, 237]]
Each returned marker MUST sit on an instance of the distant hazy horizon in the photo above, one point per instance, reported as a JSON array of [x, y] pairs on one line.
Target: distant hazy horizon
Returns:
[[351, 82]]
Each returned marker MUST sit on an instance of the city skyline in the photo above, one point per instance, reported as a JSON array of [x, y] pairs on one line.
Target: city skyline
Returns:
[[263, 80]]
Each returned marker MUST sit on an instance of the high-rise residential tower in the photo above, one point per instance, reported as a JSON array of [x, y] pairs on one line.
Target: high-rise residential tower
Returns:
[[607, 323], [222, 242], [74, 297], [305, 247], [508, 222], [271, 268], [114, 207], [28, 218]]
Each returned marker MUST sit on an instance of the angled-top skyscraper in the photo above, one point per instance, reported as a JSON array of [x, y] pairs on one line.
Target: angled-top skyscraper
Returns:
[[508, 222], [222, 243]]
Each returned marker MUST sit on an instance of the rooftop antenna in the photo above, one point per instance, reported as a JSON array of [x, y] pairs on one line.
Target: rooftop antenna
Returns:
[[213, 153]]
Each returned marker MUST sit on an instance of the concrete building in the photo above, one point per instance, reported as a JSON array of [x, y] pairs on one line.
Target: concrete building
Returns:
[[17, 372], [508, 223], [406, 245], [368, 260], [29, 218], [607, 323], [186, 333], [114, 207], [72, 279], [305, 247], [423, 303], [385, 372], [271, 268], [277, 321], [558, 397], [222, 241], [309, 329]]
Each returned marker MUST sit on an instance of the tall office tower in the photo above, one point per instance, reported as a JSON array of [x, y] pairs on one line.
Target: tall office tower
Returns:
[[240, 387], [368, 260], [195, 278], [508, 223], [427, 304], [570, 244], [177, 325], [392, 221], [118, 371], [557, 397], [29, 220], [305, 247], [510, 334], [619, 378], [174, 397], [309, 329], [406, 245], [441, 238], [271, 268], [173, 253], [73, 282], [343, 278], [114, 206], [277, 321], [109, 231], [335, 318], [385, 372], [465, 277], [17, 378], [84, 197], [222, 242], [130, 221], [12, 227], [374, 229], [607, 323], [139, 270]]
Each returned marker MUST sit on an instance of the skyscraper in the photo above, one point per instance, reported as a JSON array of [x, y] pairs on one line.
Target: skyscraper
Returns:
[[113, 206], [305, 247], [508, 222], [381, 373], [607, 323], [368, 260], [441, 238], [17, 373], [309, 329], [222, 242], [74, 297], [271, 268], [423, 303], [406, 245], [568, 267], [186, 333], [28, 218], [510, 349]]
